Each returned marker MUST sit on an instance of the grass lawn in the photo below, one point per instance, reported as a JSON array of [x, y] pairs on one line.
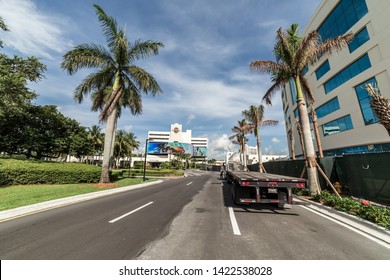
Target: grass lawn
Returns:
[[21, 195]]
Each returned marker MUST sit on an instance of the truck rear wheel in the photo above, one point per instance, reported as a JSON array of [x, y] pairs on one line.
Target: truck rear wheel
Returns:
[[236, 194], [282, 197]]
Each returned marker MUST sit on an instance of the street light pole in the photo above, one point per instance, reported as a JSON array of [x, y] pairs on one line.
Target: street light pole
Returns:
[[146, 152]]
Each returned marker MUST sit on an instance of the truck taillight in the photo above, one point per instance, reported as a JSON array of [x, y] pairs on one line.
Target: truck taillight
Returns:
[[300, 185], [245, 184]]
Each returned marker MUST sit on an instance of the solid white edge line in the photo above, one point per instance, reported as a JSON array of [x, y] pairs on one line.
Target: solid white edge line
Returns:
[[189, 183], [349, 227], [131, 212], [236, 229]]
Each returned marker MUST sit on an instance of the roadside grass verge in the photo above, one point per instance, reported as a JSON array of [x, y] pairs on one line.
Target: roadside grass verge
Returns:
[[22, 195]]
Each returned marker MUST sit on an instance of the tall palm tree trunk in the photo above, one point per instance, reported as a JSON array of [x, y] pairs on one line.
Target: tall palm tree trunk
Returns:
[[292, 144], [299, 129], [108, 138], [259, 150], [316, 132], [311, 166]]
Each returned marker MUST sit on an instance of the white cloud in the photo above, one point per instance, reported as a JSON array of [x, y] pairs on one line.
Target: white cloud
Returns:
[[31, 31], [191, 117], [275, 140], [218, 146]]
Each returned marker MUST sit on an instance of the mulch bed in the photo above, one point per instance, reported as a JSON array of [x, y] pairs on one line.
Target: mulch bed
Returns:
[[104, 186]]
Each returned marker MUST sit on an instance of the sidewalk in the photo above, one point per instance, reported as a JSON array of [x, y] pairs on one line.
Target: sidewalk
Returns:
[[366, 228], [43, 206]]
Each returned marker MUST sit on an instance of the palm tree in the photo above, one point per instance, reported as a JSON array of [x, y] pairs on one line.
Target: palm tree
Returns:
[[380, 106], [256, 116], [300, 133], [124, 145], [3, 27], [117, 70], [292, 144], [314, 118], [240, 130], [96, 137], [292, 54]]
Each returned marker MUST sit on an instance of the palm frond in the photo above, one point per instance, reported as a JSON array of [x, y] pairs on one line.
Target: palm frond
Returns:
[[132, 99], [86, 56], [307, 51], [144, 81], [111, 103], [271, 92], [142, 49], [109, 26], [265, 66], [330, 46], [93, 82], [307, 89], [269, 122]]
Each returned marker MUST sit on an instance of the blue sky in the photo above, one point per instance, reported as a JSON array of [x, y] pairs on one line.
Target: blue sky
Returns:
[[203, 68]]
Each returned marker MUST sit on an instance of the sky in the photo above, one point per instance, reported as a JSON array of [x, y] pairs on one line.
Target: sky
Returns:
[[203, 68]]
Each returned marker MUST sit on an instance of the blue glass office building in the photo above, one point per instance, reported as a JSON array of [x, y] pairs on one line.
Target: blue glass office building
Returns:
[[347, 124]]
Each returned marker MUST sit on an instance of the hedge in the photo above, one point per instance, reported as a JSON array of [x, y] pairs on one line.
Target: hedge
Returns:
[[25, 172]]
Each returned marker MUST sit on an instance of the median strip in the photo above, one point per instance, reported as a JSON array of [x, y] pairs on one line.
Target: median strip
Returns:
[[131, 212]]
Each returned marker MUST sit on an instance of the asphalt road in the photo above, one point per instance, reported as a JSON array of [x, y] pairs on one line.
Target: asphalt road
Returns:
[[186, 218], [84, 231]]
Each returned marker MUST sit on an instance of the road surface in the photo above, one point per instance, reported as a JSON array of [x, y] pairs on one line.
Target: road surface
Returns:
[[185, 218]]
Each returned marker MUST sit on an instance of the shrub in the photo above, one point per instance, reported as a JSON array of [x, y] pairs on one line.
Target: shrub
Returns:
[[378, 215], [25, 172]]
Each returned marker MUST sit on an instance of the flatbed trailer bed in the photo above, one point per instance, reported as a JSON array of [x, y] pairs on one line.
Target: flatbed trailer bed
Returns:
[[255, 187]]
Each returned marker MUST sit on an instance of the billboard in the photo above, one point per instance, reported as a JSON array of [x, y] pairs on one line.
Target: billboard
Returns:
[[200, 151], [170, 147]]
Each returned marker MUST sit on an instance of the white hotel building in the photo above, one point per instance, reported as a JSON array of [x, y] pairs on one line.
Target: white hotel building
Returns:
[[162, 145], [346, 121]]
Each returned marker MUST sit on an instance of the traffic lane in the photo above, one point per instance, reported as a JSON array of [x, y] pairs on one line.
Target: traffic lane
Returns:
[[202, 231], [82, 230], [272, 233]]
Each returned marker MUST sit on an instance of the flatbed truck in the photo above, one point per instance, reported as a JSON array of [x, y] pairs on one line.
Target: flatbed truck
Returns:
[[255, 187]]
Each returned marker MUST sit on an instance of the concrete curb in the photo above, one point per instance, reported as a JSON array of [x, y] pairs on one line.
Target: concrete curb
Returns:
[[368, 228], [47, 205]]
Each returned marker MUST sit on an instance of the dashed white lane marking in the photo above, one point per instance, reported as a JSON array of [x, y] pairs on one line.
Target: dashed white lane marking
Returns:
[[131, 212], [236, 229], [189, 183]]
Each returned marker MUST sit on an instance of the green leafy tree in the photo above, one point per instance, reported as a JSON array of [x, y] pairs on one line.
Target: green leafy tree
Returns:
[[14, 74], [292, 54], [117, 70], [3, 27], [255, 114]]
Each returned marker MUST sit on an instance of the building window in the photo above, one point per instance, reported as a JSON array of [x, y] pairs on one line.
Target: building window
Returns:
[[375, 148], [293, 91], [352, 70], [328, 107], [337, 126], [322, 70], [342, 18], [359, 39], [305, 70], [364, 101]]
